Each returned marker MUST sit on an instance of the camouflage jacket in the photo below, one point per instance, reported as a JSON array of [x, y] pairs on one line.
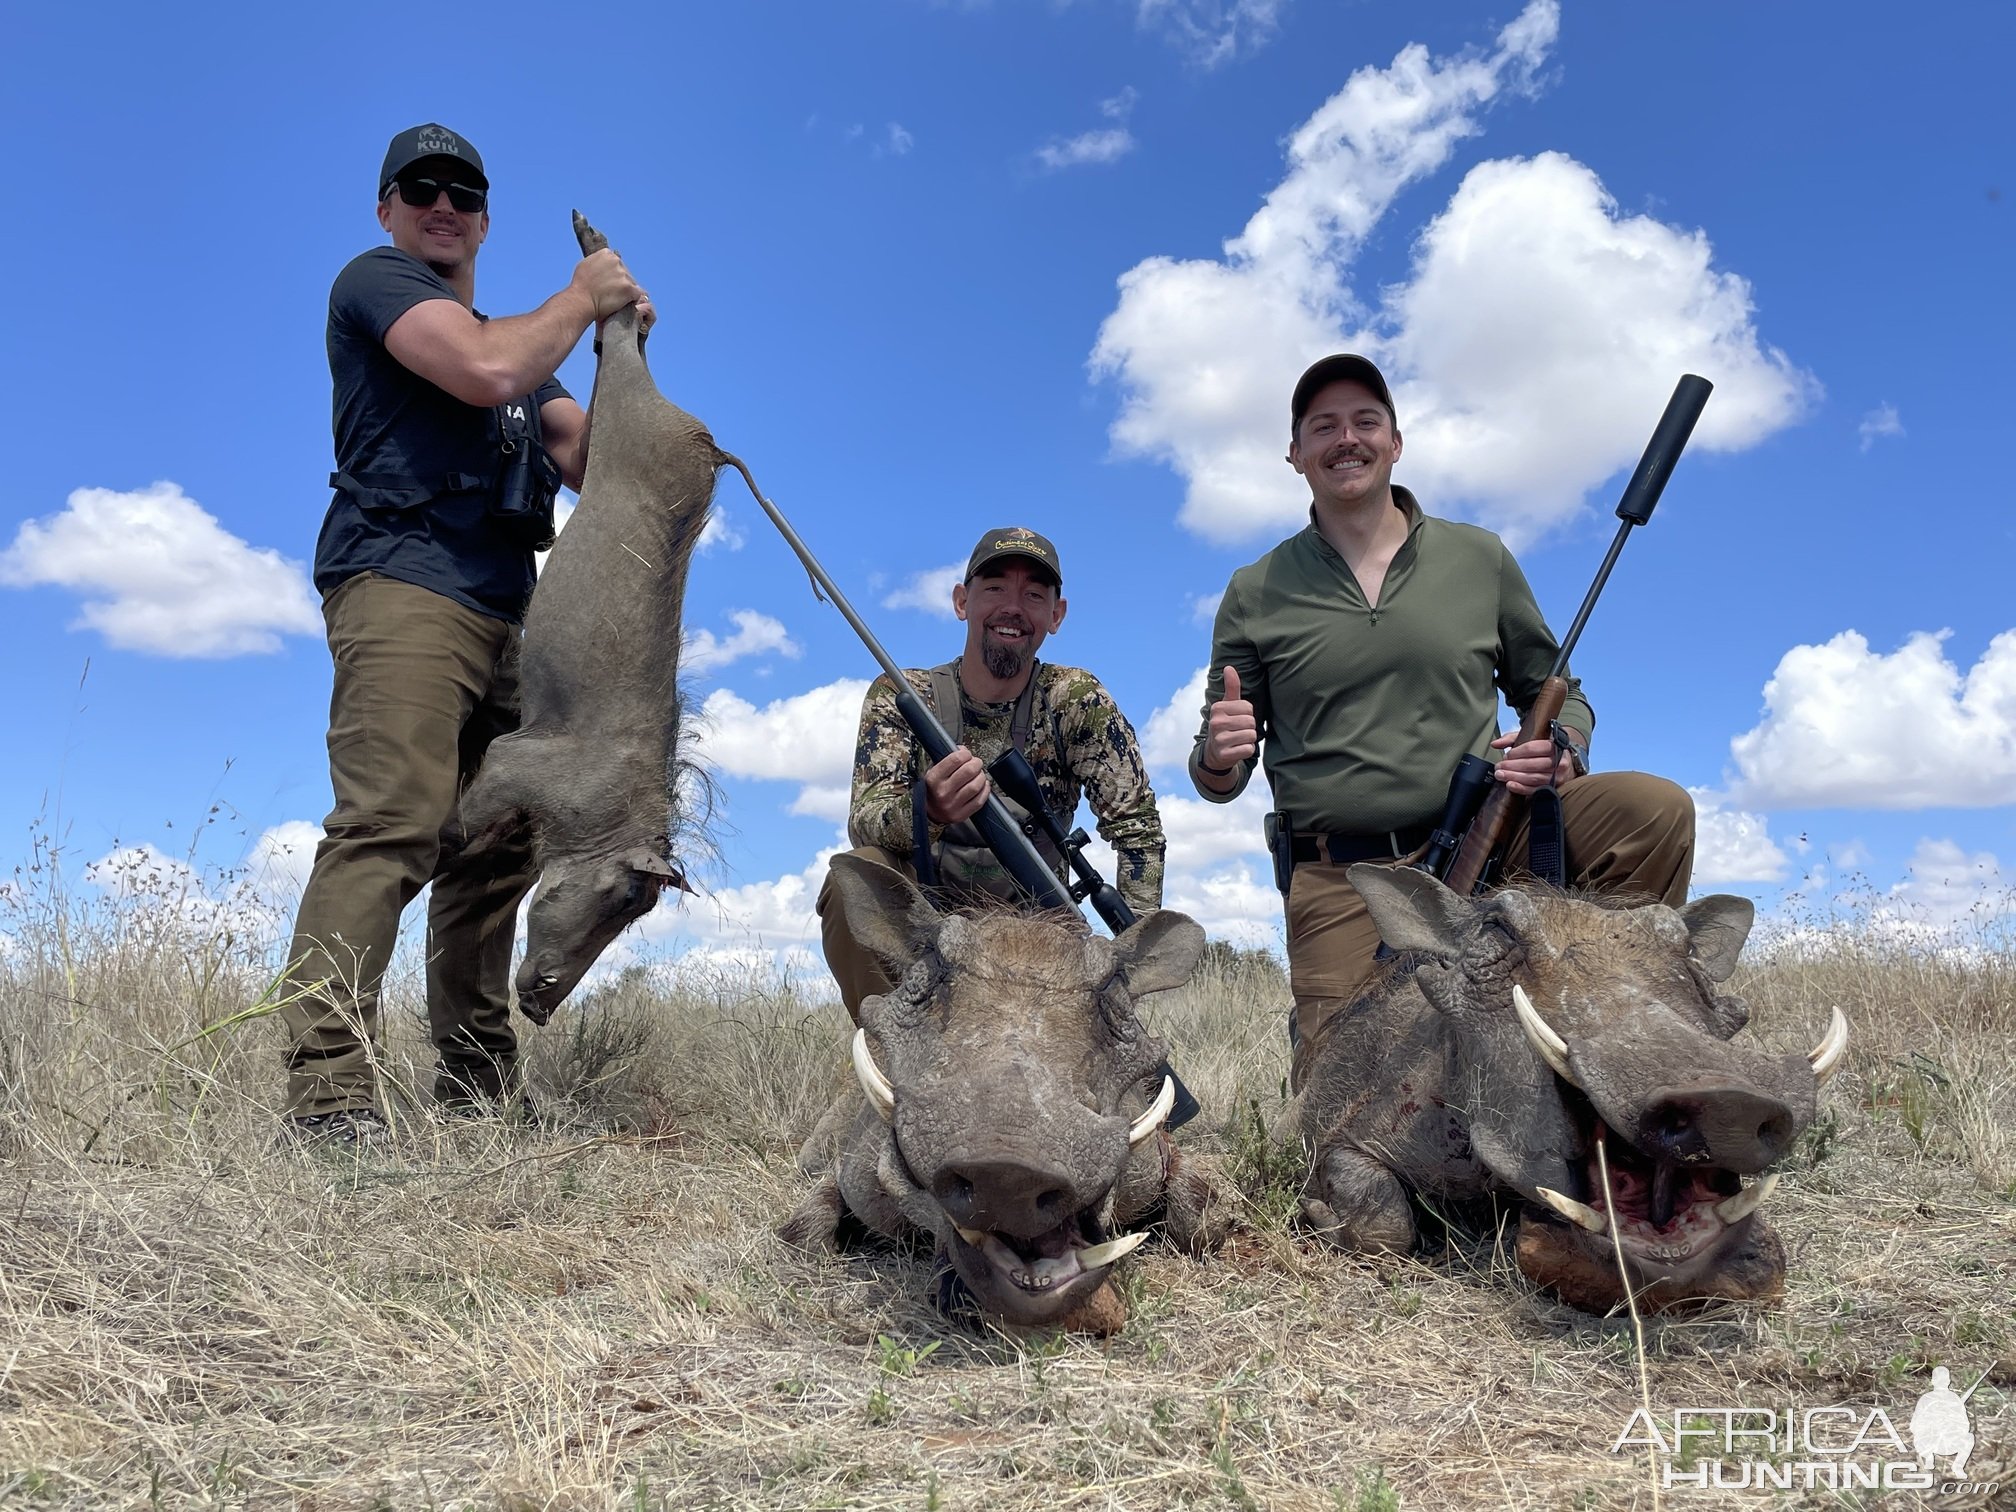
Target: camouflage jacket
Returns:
[[1080, 744]]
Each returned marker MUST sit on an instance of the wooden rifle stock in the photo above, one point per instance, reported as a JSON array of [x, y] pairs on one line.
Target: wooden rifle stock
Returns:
[[1502, 808]]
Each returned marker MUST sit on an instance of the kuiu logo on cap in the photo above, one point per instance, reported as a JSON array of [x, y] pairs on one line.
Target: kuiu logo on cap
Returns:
[[438, 141]]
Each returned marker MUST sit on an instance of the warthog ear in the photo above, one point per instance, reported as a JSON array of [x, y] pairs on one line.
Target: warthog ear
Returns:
[[651, 864], [1159, 952], [1414, 912], [884, 910], [1717, 926]]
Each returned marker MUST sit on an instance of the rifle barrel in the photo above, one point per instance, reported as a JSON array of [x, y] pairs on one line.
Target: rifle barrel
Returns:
[[1641, 494]]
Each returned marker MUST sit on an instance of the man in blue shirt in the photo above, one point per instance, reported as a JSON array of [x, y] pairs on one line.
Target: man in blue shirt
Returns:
[[451, 436]]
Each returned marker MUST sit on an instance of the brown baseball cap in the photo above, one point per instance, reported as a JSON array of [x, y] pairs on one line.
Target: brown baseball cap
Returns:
[[1014, 540], [1337, 369]]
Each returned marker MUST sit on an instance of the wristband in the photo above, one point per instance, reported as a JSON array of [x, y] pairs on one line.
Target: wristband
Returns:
[[1210, 771]]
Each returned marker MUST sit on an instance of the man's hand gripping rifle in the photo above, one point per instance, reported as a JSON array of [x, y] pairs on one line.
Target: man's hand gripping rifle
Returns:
[[1010, 841], [1465, 863]]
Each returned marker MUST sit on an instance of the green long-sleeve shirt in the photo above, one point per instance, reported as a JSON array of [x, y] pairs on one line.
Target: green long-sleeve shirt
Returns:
[[1364, 712]]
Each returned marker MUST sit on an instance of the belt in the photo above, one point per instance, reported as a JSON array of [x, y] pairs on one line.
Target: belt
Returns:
[[1342, 850]]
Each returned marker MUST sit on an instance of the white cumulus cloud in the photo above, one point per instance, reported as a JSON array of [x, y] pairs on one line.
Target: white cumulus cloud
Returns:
[[807, 738], [930, 590], [1951, 889], [754, 635], [1880, 423], [1172, 729], [1732, 845], [1530, 296], [279, 861], [720, 532], [1845, 726], [159, 575]]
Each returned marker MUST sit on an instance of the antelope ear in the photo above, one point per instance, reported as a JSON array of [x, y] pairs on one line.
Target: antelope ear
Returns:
[[882, 909], [1159, 952], [1717, 927], [1415, 912]]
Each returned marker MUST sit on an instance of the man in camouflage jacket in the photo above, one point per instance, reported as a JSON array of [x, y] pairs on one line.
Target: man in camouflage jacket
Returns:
[[996, 694]]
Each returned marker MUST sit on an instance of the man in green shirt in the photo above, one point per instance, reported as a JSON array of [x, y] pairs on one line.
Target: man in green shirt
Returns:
[[994, 695], [1368, 653]]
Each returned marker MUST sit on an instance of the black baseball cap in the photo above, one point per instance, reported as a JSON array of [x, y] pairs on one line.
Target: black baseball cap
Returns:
[[1014, 540], [417, 142], [1342, 367]]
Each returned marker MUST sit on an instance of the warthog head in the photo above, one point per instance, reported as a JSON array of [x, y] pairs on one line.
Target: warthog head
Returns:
[[581, 905], [1591, 1038], [1020, 1091]]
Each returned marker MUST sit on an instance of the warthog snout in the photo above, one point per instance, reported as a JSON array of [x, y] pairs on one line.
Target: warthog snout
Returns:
[[1008, 1196], [1735, 1128]]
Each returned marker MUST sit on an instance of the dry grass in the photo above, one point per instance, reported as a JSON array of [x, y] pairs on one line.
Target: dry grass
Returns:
[[594, 1314]]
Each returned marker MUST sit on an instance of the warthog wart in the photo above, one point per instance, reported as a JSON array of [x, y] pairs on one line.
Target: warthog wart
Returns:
[[1527, 1041], [1011, 1103]]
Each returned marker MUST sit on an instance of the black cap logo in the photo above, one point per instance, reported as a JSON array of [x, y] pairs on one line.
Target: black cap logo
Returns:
[[437, 141]]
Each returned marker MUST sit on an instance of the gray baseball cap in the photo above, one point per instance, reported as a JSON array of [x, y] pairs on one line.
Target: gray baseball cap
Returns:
[[431, 140]]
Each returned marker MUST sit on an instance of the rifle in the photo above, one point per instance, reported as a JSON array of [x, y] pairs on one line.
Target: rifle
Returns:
[[1007, 839], [1487, 831], [1012, 774]]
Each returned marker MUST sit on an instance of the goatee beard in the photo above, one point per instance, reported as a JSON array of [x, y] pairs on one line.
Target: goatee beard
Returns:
[[1004, 661]]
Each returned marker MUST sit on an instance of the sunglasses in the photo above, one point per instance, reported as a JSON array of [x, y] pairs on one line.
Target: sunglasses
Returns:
[[420, 193]]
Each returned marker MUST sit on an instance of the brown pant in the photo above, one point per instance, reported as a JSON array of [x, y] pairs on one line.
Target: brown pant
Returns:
[[859, 972], [423, 685], [1627, 832]]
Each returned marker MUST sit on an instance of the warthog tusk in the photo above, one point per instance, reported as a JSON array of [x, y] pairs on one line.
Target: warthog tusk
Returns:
[[973, 1237], [1144, 1127], [1111, 1250], [873, 1082], [1744, 1203], [1578, 1213], [1826, 1056], [1553, 1049]]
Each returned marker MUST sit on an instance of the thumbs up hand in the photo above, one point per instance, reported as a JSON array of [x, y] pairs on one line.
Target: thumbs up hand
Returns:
[[1232, 733]]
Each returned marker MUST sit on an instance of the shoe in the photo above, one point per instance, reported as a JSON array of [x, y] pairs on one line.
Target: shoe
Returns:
[[520, 1109], [345, 1129]]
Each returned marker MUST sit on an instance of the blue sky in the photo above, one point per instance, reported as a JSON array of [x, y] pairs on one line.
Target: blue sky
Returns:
[[933, 268]]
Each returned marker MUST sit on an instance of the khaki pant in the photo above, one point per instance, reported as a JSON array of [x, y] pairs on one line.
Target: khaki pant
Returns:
[[1627, 832], [859, 972], [423, 685]]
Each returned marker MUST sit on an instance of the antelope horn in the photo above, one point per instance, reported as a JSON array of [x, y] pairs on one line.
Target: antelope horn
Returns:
[[1826, 1056], [1144, 1127], [1553, 1049], [873, 1082]]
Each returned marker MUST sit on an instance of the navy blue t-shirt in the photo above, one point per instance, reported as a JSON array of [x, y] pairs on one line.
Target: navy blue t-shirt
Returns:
[[392, 423]]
